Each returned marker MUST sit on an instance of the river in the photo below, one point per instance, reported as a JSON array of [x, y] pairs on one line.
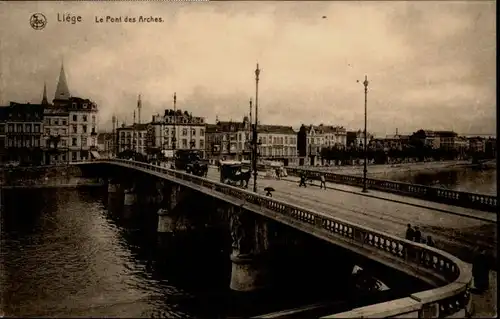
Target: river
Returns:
[[71, 253], [474, 180]]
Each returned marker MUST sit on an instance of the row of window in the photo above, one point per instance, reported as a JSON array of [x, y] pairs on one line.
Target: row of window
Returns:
[[183, 120], [184, 131], [55, 121], [23, 128], [23, 142], [135, 134], [74, 118], [183, 143]]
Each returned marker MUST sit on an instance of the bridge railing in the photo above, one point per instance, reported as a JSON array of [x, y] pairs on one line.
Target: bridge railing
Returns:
[[435, 194], [453, 298]]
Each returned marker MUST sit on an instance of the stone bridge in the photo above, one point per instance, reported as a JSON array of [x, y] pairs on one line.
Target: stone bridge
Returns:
[[254, 221]]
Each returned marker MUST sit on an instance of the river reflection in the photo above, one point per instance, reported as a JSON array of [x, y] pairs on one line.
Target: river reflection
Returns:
[[474, 180], [71, 252]]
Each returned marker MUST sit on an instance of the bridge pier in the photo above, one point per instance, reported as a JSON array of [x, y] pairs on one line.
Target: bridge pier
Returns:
[[249, 270], [130, 197], [171, 221], [113, 187]]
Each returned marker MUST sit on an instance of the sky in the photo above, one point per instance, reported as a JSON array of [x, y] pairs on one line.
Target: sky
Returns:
[[429, 64]]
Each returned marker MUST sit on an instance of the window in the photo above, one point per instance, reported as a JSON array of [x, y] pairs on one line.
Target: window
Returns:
[[37, 128], [85, 118], [193, 132], [2, 128], [75, 118], [28, 128], [184, 131], [166, 131], [73, 105], [63, 142], [84, 141], [75, 128], [36, 143], [84, 128], [64, 122], [19, 128], [11, 128], [84, 105], [64, 132], [73, 156], [47, 131], [73, 141], [93, 119], [202, 143], [64, 157], [56, 122], [202, 132], [184, 143]]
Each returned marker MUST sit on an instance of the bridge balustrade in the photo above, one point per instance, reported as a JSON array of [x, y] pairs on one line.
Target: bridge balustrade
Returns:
[[452, 297], [435, 194]]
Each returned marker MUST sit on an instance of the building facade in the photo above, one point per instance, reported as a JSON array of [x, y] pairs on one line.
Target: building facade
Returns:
[[3, 142], [105, 144], [133, 138], [176, 130], [23, 134], [70, 126]]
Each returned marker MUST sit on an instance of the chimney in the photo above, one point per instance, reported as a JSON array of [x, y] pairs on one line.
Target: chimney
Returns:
[[396, 131]]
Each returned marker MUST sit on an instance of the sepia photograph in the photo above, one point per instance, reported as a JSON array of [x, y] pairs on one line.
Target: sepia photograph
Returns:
[[248, 159]]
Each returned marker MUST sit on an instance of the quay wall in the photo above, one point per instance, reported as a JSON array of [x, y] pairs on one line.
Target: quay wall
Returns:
[[45, 176]]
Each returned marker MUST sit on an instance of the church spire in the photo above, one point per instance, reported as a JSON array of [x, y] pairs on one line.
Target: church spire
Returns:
[[62, 91], [44, 98]]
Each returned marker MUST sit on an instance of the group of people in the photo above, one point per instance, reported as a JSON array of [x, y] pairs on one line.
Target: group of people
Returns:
[[303, 179], [414, 234], [480, 264]]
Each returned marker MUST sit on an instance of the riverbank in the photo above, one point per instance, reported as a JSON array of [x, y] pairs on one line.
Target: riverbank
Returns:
[[45, 177]]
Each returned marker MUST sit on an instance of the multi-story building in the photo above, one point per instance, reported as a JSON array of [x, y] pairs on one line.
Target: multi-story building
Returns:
[[477, 144], [24, 132], [70, 130], [447, 139], [323, 136], [105, 145], [357, 138], [229, 140], [188, 130], [133, 137], [3, 142], [82, 128], [55, 132], [277, 142], [428, 138]]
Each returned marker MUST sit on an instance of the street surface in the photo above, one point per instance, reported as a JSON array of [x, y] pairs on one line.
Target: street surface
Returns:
[[457, 234]]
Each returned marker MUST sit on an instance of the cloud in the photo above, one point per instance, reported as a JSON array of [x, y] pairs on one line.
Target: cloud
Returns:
[[430, 64]]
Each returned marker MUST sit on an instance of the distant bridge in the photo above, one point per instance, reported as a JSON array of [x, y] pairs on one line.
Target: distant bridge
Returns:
[[451, 277]]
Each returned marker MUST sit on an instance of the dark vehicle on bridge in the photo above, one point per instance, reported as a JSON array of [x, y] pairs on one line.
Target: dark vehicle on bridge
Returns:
[[231, 174], [191, 161], [198, 167]]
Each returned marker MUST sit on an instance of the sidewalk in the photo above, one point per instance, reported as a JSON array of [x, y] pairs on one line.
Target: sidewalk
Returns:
[[450, 209]]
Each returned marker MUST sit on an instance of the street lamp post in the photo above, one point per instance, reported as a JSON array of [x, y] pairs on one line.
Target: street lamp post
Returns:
[[255, 139], [174, 140], [365, 189]]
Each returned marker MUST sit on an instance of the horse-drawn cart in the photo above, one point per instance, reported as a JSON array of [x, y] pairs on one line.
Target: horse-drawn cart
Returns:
[[231, 173]]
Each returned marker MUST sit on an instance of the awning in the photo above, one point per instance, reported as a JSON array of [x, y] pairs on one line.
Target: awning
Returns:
[[95, 154]]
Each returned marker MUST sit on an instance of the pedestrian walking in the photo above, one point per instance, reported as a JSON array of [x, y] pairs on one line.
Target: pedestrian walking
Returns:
[[430, 242], [417, 235], [302, 180], [323, 182], [410, 233], [480, 272]]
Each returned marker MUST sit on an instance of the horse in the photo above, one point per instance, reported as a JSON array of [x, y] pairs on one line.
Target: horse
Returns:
[[245, 177]]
